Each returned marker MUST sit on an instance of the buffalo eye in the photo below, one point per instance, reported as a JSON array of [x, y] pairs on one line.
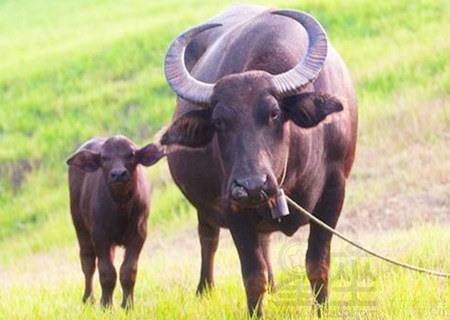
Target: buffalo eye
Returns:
[[106, 159], [271, 110], [219, 124], [275, 115], [129, 156]]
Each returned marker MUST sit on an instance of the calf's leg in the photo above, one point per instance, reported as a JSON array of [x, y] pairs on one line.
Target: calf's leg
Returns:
[[87, 258], [108, 275], [128, 270]]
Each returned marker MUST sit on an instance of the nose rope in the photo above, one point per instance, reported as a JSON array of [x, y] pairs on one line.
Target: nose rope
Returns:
[[279, 207], [283, 177], [353, 243], [361, 247]]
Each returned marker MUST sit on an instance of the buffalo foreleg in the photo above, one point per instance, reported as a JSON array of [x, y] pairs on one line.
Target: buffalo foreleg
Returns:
[[253, 262], [264, 240], [128, 270], [318, 254], [209, 241], [107, 272]]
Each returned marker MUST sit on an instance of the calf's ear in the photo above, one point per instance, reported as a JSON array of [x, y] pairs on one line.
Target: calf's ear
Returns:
[[308, 109], [150, 154], [193, 129], [85, 160]]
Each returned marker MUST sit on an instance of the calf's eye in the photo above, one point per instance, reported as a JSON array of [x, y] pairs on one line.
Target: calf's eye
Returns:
[[105, 158]]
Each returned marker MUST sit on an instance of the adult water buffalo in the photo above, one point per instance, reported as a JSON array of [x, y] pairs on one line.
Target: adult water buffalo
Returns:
[[254, 87]]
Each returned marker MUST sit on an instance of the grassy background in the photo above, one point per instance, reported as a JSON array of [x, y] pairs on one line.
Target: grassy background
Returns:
[[70, 70]]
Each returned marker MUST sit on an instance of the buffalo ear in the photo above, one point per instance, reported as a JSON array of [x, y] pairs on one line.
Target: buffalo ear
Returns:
[[193, 129], [308, 109], [150, 154], [85, 160]]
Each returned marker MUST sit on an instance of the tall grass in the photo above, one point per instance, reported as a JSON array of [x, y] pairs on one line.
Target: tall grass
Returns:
[[361, 287]]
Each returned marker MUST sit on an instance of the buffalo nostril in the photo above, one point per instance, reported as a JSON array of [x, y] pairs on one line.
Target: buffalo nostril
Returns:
[[239, 192], [265, 180], [119, 175], [253, 185]]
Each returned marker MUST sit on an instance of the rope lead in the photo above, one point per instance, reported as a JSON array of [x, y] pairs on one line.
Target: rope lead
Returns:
[[373, 253]]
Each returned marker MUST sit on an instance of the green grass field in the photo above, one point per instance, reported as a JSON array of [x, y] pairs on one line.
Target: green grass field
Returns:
[[70, 70]]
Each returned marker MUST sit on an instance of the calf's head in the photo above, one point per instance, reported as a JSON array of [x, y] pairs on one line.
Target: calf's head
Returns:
[[248, 113], [118, 158]]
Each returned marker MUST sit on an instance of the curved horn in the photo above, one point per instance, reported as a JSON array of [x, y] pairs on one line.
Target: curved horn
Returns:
[[307, 70], [179, 78]]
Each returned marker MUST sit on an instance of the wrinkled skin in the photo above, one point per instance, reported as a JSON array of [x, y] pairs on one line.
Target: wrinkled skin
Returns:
[[237, 147], [109, 202]]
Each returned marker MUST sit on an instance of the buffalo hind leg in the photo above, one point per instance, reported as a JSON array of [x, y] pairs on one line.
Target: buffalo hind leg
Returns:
[[87, 256], [264, 240], [253, 262], [128, 271], [209, 241], [318, 254], [87, 259], [108, 275]]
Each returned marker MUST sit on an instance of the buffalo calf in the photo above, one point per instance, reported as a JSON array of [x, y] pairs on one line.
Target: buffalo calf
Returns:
[[109, 203]]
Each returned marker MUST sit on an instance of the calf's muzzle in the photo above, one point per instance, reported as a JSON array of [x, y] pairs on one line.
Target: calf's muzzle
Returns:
[[120, 175]]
